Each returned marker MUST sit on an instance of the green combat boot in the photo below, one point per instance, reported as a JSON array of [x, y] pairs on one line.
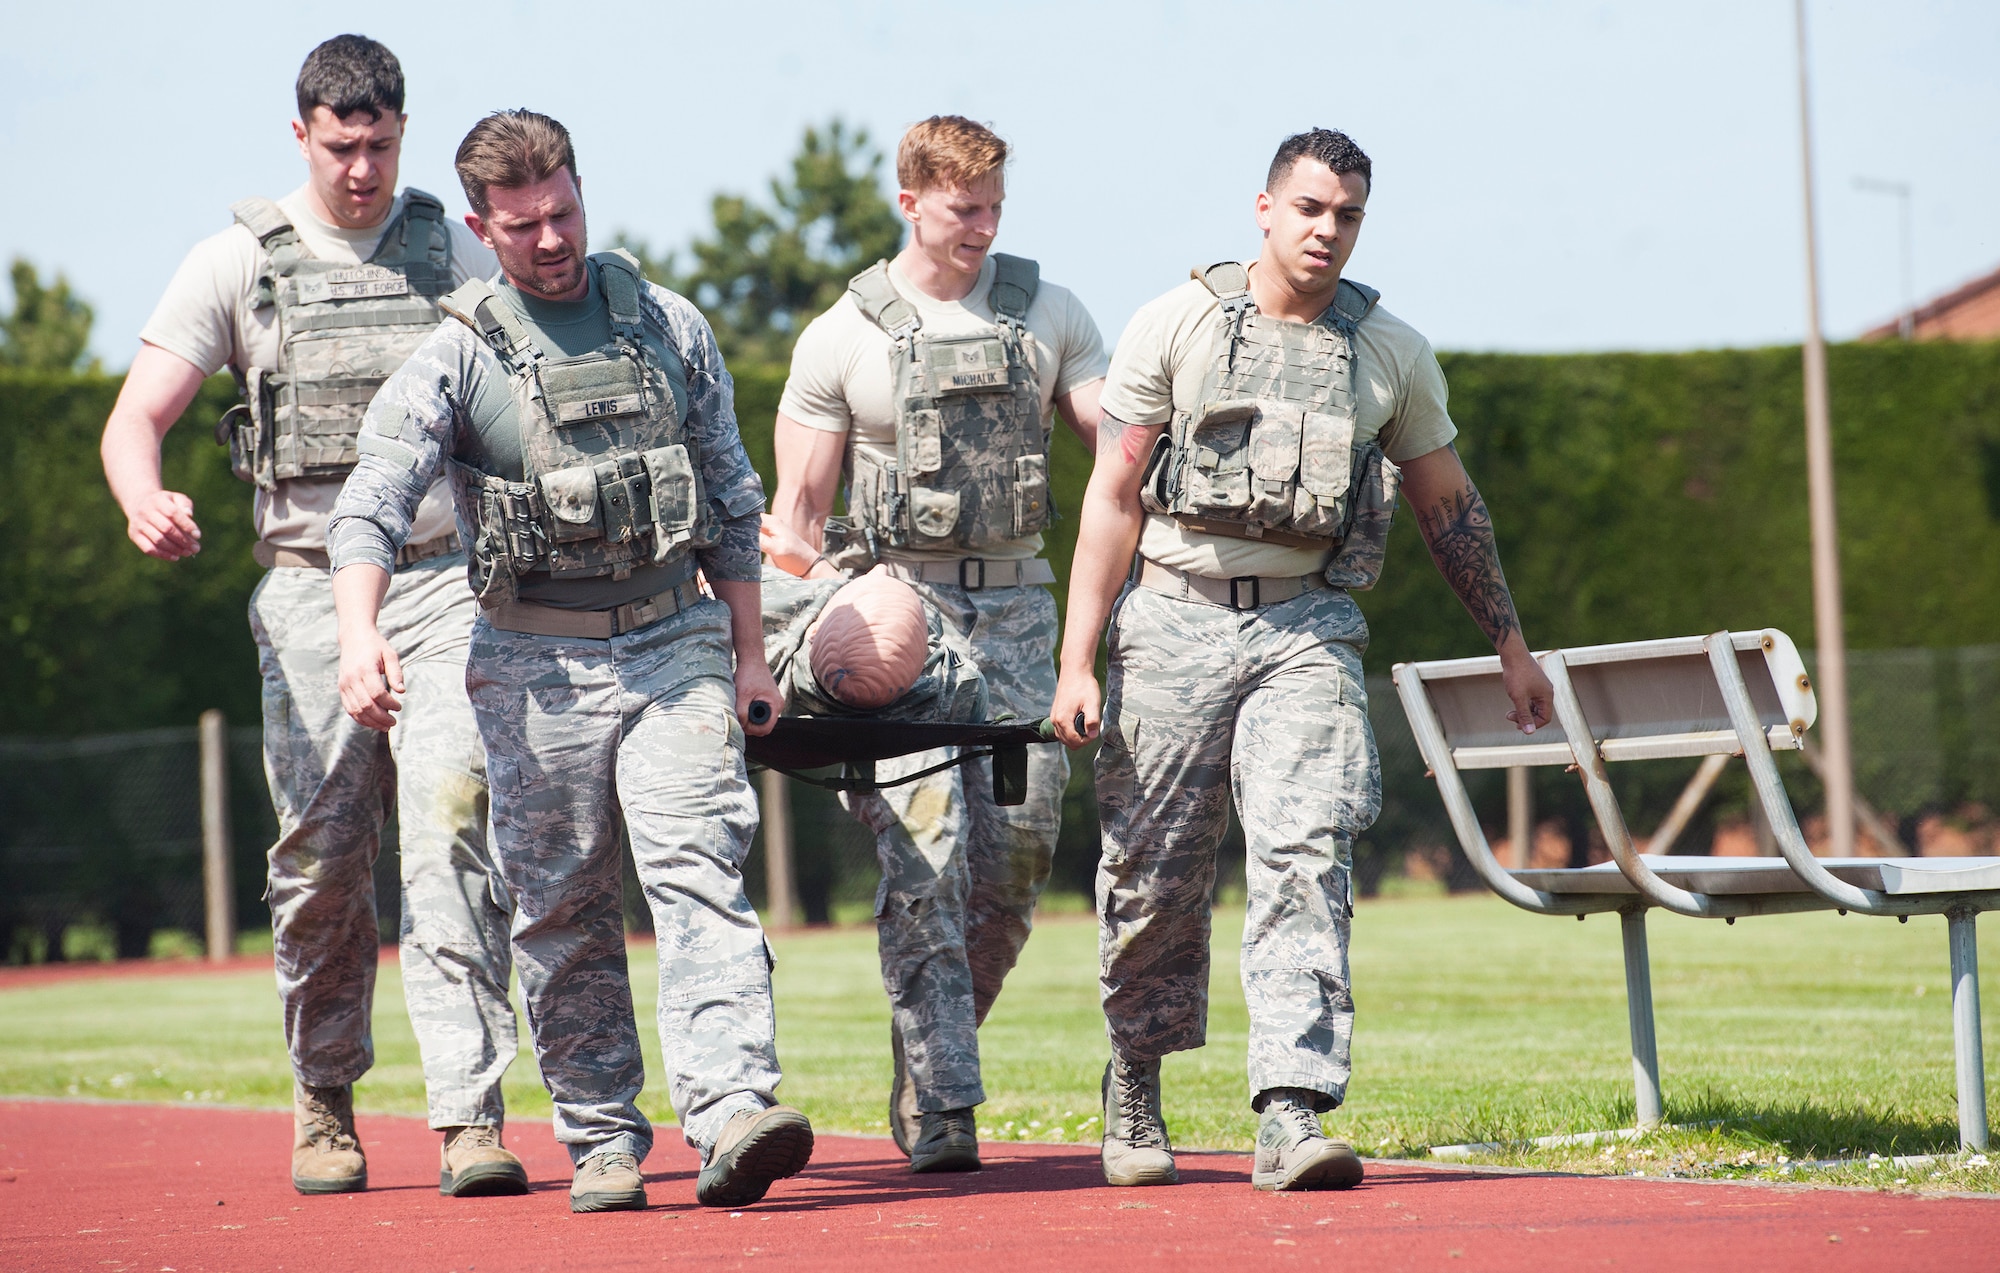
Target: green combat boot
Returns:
[[609, 1181], [756, 1147], [1136, 1151], [1292, 1151], [474, 1164], [904, 1117], [947, 1140], [326, 1154]]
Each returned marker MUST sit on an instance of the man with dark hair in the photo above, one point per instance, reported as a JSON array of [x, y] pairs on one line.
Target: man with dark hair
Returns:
[[587, 424], [1257, 421], [931, 389], [312, 300], [351, 73]]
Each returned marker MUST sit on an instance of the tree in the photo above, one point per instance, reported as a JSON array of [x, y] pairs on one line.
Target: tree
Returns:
[[766, 271], [49, 328]]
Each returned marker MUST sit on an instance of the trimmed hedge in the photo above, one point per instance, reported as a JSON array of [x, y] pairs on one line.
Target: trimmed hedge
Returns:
[[1635, 495], [96, 635], [1647, 495]]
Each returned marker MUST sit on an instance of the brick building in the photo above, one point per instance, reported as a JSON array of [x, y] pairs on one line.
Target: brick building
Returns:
[[1970, 312]]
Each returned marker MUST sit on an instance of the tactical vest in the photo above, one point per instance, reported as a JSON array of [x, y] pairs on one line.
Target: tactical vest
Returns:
[[342, 329], [611, 473], [1268, 451], [972, 456]]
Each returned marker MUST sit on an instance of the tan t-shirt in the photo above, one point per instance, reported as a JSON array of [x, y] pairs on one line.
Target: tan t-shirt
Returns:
[[207, 318], [1158, 368], [840, 379]]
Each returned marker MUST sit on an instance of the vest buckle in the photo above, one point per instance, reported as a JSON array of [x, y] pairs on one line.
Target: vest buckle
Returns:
[[1256, 592]]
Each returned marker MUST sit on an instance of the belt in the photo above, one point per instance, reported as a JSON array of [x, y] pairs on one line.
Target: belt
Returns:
[[974, 573], [1244, 592], [593, 625], [270, 556]]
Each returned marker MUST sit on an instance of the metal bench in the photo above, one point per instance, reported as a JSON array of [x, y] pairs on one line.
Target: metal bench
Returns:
[[1744, 694]]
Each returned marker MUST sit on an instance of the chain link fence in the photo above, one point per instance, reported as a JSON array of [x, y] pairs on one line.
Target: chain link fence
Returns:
[[100, 838]]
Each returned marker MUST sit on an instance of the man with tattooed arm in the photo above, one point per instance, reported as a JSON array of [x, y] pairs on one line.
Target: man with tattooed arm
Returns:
[[1257, 424]]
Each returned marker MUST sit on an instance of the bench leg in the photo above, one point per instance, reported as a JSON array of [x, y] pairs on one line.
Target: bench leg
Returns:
[[1639, 1005], [1968, 1046]]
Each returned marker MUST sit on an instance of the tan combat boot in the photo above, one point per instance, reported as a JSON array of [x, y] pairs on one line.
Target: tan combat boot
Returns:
[[474, 1164], [609, 1181], [1293, 1152], [756, 1147], [1136, 1149], [326, 1155]]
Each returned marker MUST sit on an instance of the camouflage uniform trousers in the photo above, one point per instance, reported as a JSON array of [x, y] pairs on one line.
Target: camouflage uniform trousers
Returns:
[[920, 936], [1007, 849], [333, 782], [1268, 706], [579, 732]]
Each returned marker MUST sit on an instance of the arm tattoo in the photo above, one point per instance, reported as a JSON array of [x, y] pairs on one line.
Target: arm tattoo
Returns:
[[1115, 437], [1459, 531]]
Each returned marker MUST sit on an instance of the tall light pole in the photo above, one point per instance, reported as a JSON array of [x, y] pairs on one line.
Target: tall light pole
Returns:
[[1835, 740], [1906, 323]]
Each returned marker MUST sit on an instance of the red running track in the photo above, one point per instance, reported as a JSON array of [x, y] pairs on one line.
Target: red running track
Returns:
[[162, 1187]]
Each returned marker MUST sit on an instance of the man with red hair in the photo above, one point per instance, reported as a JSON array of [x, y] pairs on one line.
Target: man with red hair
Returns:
[[931, 389]]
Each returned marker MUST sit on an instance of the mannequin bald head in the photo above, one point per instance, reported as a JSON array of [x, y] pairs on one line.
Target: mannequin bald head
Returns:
[[868, 646]]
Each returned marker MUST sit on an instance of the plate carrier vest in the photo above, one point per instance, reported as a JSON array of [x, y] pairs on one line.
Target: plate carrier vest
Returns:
[[1268, 451], [972, 455], [342, 329], [612, 475]]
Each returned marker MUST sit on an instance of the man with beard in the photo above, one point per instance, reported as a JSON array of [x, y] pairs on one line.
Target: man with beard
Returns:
[[586, 422], [312, 300]]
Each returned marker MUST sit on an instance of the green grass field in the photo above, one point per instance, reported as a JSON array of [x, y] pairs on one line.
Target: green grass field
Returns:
[[1799, 1037]]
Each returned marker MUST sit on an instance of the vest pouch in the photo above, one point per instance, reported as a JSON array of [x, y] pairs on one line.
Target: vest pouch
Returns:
[[1218, 473], [1156, 492], [570, 495], [624, 501], [1031, 494], [676, 497], [926, 442], [845, 546], [1326, 458], [933, 513], [236, 431], [253, 442], [1274, 462], [592, 388], [970, 364], [1371, 508]]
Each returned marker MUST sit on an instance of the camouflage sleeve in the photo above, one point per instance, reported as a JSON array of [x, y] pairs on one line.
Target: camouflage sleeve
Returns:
[[405, 438], [735, 492]]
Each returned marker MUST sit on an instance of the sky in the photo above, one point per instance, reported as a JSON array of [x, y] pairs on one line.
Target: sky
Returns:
[[1549, 176]]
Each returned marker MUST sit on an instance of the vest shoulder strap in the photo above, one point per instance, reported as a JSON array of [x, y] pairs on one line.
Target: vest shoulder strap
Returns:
[[618, 274], [1016, 279], [263, 218], [422, 205], [879, 301], [1230, 281], [1354, 301], [279, 238], [479, 307], [418, 241], [1227, 279]]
